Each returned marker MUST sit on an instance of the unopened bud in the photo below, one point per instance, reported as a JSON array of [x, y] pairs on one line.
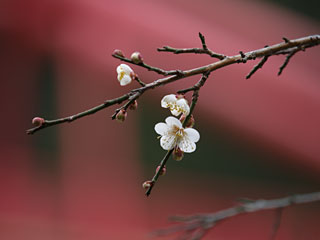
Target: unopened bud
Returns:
[[179, 96], [147, 184], [118, 52], [163, 170], [190, 122], [121, 115], [133, 105], [136, 58], [37, 121], [133, 75], [177, 154]]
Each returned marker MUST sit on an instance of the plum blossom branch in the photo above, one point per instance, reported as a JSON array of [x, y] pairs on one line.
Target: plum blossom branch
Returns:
[[288, 47], [163, 162], [195, 226]]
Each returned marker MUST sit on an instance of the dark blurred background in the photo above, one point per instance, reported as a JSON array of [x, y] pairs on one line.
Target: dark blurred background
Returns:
[[259, 137]]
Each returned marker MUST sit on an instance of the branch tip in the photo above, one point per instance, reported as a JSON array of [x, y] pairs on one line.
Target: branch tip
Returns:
[[256, 67], [242, 54], [286, 40]]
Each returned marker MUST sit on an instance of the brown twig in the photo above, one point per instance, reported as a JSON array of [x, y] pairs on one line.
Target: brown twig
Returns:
[[256, 67], [197, 86], [209, 220], [288, 57], [203, 50], [156, 176], [276, 224], [288, 47]]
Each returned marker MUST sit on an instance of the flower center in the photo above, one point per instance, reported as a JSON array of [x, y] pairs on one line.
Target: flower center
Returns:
[[178, 132], [122, 75], [175, 107]]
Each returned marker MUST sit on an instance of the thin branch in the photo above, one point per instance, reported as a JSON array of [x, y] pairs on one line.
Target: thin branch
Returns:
[[203, 50], [195, 96], [256, 67], [139, 80], [276, 224], [288, 57], [197, 86], [209, 220], [172, 76], [49, 123], [156, 176], [203, 41]]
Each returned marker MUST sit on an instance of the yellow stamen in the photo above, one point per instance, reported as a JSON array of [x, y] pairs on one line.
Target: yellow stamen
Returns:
[[121, 75]]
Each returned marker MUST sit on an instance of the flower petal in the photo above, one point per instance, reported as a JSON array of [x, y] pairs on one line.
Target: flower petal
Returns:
[[168, 100], [161, 128], [125, 68], [186, 145], [119, 69], [125, 80], [168, 142], [192, 134], [183, 106], [173, 121]]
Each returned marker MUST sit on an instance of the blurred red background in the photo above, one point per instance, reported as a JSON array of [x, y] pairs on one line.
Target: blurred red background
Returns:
[[259, 137]]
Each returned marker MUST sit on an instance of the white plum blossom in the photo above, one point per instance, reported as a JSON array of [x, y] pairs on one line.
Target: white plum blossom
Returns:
[[125, 74], [176, 105], [174, 135]]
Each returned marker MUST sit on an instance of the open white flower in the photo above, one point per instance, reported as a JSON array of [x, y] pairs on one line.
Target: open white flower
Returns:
[[174, 135], [176, 105], [124, 74]]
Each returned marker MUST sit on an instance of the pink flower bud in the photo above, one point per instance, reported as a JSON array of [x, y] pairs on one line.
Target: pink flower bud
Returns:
[[177, 154], [133, 75], [37, 121], [190, 122], [136, 58], [163, 170], [121, 115], [179, 96], [134, 105], [118, 52], [147, 184]]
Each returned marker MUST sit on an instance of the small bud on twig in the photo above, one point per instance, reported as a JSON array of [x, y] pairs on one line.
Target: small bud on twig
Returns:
[[163, 170], [136, 57], [121, 115], [177, 154], [190, 122], [180, 96], [147, 184], [134, 105], [118, 52], [37, 121]]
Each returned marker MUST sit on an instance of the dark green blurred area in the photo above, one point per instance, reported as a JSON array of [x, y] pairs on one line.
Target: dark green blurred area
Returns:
[[46, 142], [309, 8]]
